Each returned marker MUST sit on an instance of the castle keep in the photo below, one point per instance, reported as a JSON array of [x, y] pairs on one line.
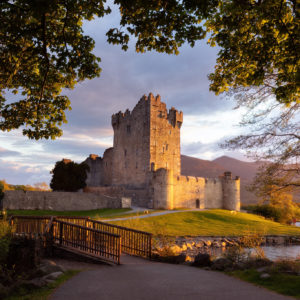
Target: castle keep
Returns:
[[144, 163]]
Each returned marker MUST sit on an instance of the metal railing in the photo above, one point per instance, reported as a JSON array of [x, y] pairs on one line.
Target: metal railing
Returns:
[[134, 242], [94, 237], [87, 240]]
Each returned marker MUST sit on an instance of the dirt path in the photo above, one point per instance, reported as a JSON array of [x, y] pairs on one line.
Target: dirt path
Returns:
[[139, 279]]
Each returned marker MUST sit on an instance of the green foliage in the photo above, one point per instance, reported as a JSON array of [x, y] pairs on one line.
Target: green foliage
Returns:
[[69, 176], [266, 211], [1, 190], [5, 238], [26, 293], [279, 208], [43, 49], [279, 282]]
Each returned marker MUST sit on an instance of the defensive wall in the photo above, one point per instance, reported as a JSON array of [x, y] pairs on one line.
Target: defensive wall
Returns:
[[61, 201], [169, 191]]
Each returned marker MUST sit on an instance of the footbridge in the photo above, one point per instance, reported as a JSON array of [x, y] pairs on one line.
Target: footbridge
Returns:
[[84, 236]]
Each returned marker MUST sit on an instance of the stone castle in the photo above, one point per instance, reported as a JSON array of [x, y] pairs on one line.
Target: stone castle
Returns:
[[144, 164]]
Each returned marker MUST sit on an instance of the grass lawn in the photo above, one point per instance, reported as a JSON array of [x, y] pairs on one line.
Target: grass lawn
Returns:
[[44, 292], [96, 213], [208, 223], [278, 282]]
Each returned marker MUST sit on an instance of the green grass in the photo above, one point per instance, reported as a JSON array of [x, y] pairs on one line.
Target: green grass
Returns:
[[209, 223], [44, 292], [95, 213], [278, 282]]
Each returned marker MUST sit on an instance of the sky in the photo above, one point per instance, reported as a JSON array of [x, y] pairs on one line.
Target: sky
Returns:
[[180, 80]]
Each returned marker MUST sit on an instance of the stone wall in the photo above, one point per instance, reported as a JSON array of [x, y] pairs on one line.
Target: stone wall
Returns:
[[61, 201], [169, 191]]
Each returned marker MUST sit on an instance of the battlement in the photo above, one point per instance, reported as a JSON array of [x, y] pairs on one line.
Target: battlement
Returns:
[[148, 103]]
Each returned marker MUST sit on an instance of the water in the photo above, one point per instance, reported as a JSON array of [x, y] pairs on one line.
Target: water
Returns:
[[277, 252], [271, 252]]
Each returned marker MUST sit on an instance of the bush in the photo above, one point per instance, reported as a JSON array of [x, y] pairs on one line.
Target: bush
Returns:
[[5, 239], [267, 211]]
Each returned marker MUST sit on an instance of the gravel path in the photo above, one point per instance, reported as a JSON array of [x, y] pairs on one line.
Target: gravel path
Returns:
[[139, 279], [141, 210]]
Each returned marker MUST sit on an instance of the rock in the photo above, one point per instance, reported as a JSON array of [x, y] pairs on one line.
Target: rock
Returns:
[[207, 243], [216, 244], [188, 259], [49, 268], [183, 247], [34, 283], [221, 264], [53, 275], [199, 244], [189, 246], [175, 249], [202, 260], [265, 276]]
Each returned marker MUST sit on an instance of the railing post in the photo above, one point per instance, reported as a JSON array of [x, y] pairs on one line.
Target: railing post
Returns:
[[60, 233], [150, 246], [120, 250]]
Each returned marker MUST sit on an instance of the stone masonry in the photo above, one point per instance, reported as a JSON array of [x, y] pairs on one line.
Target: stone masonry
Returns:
[[144, 163]]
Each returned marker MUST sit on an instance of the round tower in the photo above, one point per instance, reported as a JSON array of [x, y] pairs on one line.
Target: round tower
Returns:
[[231, 192]]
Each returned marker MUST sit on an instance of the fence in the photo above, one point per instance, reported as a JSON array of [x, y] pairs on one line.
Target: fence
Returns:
[[134, 242], [94, 237], [88, 240]]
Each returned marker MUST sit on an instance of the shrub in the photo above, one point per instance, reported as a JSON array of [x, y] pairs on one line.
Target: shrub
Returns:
[[267, 211], [5, 239]]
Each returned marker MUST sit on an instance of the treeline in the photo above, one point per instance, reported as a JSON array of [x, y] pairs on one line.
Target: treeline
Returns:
[[40, 186]]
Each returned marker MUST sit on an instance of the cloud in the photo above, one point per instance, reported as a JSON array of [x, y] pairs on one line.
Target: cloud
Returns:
[[17, 173], [7, 153]]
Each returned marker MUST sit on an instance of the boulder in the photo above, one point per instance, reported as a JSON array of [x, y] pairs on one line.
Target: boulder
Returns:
[[189, 246], [52, 276], [207, 243], [49, 268], [265, 276], [35, 283], [222, 264], [199, 244], [202, 260], [183, 247], [175, 249]]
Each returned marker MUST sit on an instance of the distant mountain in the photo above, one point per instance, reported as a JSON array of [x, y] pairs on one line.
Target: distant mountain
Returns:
[[246, 170]]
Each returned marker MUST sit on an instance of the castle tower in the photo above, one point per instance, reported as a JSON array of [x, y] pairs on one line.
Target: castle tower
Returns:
[[146, 139]]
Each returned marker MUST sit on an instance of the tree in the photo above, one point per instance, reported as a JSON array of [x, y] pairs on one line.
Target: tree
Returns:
[[273, 137], [43, 49], [68, 176]]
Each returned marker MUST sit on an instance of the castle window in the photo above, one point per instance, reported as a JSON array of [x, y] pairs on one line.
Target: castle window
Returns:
[[125, 152], [136, 165], [128, 129], [197, 203], [167, 146]]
